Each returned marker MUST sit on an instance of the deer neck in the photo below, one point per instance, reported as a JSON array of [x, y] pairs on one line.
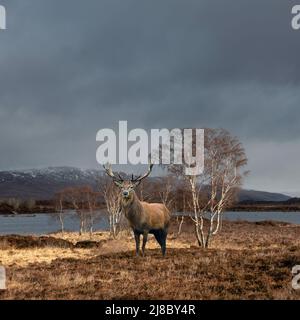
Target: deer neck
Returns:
[[132, 208]]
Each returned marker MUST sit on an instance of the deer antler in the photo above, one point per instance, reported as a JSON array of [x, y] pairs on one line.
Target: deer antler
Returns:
[[110, 173], [140, 178]]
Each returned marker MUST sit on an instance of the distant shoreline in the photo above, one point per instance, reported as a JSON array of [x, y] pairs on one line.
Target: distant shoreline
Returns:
[[265, 208], [50, 210]]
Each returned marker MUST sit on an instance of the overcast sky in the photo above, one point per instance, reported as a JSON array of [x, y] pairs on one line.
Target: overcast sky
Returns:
[[69, 68]]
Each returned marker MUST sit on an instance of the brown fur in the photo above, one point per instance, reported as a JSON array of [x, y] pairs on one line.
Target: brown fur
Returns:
[[144, 216]]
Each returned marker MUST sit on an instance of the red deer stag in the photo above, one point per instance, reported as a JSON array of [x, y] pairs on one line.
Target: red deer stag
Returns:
[[143, 217]]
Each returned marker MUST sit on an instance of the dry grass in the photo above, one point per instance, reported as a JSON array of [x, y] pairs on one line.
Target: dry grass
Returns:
[[25, 257], [246, 261], [12, 256]]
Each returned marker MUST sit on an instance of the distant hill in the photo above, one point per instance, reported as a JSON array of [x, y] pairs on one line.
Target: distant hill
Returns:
[[42, 184], [259, 196], [293, 201]]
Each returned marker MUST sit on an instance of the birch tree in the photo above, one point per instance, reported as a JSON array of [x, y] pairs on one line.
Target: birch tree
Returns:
[[112, 200], [216, 188], [91, 198], [166, 193], [59, 205], [84, 202]]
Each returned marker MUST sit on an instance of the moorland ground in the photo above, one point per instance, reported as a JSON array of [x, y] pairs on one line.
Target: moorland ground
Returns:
[[245, 261]]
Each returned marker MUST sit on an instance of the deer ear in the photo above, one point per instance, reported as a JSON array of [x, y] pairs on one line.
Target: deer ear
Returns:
[[117, 183]]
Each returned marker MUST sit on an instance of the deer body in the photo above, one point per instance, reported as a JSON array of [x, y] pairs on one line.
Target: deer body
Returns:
[[143, 217]]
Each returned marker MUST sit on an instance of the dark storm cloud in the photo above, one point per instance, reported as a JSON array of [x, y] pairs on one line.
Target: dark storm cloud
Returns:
[[69, 68]]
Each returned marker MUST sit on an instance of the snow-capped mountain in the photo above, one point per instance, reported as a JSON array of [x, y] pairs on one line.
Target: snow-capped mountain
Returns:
[[42, 184]]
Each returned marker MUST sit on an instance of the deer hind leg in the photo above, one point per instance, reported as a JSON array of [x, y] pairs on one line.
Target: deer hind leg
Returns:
[[145, 238], [137, 242], [161, 236], [164, 242]]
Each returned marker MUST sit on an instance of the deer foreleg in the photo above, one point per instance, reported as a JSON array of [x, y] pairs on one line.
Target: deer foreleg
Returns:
[[137, 243], [145, 238]]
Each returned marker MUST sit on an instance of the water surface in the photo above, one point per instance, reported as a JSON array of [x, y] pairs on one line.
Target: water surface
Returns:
[[46, 223], [42, 223]]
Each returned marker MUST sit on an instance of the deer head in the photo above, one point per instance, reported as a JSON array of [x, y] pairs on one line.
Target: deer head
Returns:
[[127, 186]]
